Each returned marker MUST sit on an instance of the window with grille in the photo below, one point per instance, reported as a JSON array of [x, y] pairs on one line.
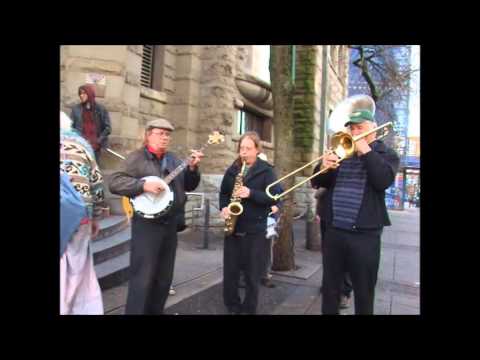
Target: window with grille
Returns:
[[147, 66], [152, 67], [249, 121]]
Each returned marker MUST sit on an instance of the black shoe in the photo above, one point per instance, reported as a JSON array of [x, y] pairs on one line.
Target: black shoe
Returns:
[[344, 302], [268, 283], [234, 310]]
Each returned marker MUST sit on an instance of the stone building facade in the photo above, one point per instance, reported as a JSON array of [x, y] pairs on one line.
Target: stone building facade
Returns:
[[200, 88]]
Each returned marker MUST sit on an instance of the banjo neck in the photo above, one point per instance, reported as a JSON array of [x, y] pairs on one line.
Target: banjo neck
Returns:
[[181, 167]]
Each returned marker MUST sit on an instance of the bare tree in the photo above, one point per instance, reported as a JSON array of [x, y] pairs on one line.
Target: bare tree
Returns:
[[282, 92], [385, 72]]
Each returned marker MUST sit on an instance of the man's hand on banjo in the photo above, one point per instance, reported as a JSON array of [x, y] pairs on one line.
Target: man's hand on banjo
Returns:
[[153, 186]]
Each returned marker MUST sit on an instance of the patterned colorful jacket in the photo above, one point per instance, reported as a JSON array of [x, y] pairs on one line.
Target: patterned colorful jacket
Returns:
[[77, 159]]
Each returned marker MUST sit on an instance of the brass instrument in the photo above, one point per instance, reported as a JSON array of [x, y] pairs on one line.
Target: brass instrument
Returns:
[[235, 208], [342, 143]]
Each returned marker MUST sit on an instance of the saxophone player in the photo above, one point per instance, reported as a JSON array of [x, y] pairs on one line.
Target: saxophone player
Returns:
[[245, 244]]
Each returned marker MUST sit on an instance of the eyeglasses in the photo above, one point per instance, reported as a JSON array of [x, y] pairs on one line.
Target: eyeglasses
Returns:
[[160, 133]]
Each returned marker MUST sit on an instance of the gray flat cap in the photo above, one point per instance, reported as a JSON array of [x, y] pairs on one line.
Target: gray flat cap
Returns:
[[160, 123]]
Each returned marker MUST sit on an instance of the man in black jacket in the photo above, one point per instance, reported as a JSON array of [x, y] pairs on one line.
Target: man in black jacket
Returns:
[[154, 241], [354, 215]]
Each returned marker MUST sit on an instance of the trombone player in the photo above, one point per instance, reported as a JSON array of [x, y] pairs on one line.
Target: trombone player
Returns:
[[355, 214]]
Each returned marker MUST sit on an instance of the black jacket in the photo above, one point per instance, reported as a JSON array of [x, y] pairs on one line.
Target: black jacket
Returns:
[[101, 118], [257, 206], [141, 163], [382, 166]]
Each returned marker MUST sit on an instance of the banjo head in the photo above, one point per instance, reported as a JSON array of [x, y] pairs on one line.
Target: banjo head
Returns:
[[151, 206]]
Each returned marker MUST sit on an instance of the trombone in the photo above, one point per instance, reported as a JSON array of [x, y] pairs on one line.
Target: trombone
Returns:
[[342, 145]]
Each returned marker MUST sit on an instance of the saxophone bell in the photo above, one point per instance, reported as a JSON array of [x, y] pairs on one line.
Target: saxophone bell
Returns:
[[235, 208]]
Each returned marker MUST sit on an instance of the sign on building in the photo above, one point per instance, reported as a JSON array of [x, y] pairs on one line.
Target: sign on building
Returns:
[[99, 81]]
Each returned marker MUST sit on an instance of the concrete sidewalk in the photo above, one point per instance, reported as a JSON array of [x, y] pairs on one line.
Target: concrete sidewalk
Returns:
[[198, 276], [196, 269], [398, 285]]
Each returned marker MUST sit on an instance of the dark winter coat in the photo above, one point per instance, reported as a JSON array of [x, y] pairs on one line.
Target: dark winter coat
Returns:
[[258, 205], [101, 118], [381, 165], [141, 163]]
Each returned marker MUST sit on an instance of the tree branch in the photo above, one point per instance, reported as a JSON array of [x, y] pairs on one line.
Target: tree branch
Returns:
[[371, 84]]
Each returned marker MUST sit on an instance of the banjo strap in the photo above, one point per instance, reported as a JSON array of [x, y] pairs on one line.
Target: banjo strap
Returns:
[[163, 165]]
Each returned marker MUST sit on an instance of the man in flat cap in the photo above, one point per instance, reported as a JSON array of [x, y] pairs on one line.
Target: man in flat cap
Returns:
[[154, 241], [354, 214]]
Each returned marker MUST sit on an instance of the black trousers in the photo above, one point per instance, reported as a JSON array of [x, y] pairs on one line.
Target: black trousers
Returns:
[[152, 260], [357, 253], [268, 257], [347, 282], [246, 253], [347, 287]]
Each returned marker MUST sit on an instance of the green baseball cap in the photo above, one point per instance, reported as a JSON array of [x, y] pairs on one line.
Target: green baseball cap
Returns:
[[360, 116]]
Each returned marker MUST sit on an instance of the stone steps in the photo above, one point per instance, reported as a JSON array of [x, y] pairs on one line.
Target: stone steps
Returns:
[[114, 271], [111, 251], [111, 225], [112, 246]]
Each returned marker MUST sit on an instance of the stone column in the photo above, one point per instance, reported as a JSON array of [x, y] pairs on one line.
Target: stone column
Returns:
[[183, 95], [217, 95], [216, 111]]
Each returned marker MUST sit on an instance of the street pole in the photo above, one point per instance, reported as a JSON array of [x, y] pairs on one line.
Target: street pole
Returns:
[[206, 224], [312, 231], [404, 188]]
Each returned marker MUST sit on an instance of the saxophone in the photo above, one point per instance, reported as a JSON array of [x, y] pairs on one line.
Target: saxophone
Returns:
[[235, 208]]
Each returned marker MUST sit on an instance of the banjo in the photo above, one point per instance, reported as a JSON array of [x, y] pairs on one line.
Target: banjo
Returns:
[[152, 206]]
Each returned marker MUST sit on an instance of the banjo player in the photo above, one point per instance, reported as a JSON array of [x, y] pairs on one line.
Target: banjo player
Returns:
[[154, 240]]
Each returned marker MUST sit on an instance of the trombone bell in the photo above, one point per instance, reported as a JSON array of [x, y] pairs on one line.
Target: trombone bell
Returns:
[[342, 144]]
